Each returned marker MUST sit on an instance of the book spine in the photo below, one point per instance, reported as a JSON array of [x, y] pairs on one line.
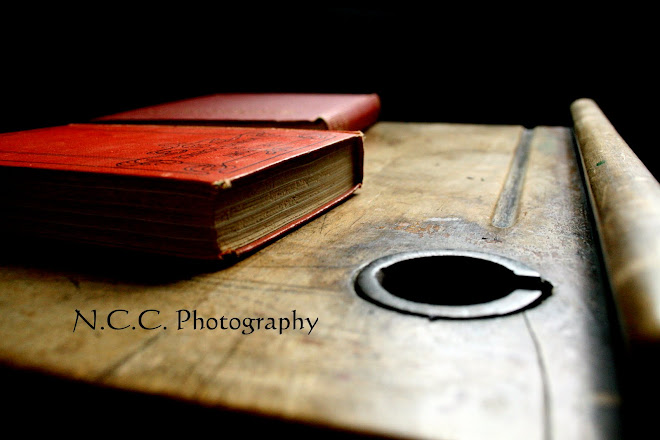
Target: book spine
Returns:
[[355, 117]]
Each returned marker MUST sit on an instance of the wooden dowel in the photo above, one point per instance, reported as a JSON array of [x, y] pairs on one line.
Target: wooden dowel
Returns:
[[626, 201]]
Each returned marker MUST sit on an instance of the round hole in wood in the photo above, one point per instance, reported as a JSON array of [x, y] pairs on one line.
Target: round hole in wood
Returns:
[[451, 284]]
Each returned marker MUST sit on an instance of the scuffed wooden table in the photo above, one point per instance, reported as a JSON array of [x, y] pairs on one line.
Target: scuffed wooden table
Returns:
[[548, 371]]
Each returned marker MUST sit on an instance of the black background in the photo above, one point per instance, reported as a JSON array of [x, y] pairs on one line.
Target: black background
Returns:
[[446, 64]]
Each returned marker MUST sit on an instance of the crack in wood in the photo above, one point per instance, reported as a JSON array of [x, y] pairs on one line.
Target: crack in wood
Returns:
[[546, 404], [105, 374]]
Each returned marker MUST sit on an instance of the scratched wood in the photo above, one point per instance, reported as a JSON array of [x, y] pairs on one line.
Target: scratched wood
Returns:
[[545, 372]]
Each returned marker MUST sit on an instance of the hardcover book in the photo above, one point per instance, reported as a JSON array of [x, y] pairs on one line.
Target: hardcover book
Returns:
[[353, 112], [196, 192]]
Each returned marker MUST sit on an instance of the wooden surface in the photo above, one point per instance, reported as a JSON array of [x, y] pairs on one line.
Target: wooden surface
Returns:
[[545, 372]]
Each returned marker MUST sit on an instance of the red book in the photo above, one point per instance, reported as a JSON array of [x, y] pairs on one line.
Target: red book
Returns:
[[293, 110], [199, 192]]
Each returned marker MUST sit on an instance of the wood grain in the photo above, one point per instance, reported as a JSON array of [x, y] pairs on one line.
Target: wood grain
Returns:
[[546, 372]]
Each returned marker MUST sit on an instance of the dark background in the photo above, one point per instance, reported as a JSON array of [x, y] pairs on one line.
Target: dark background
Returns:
[[446, 64]]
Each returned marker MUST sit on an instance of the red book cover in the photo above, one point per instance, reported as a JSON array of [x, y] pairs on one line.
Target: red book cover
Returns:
[[203, 192], [352, 112]]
